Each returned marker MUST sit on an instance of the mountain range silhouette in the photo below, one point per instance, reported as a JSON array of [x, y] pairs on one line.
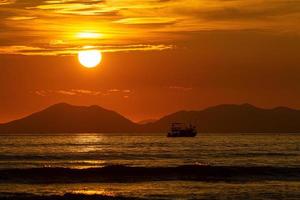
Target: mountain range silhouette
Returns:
[[244, 118]]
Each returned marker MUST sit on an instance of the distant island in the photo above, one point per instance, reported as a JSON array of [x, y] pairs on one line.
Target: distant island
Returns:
[[244, 118]]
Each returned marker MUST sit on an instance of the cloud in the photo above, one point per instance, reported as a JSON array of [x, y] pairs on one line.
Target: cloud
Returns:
[[65, 92], [30, 26], [42, 93], [52, 50], [25, 50], [86, 92], [255, 12], [70, 92], [5, 2], [146, 20], [16, 18], [83, 92], [114, 90], [76, 8]]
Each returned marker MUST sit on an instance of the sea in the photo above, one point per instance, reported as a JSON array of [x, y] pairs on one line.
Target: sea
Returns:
[[105, 166]]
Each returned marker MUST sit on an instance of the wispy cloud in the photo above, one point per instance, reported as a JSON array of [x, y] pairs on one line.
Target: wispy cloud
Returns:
[[3, 2], [65, 92], [122, 24], [86, 92], [83, 92], [146, 20], [52, 50], [16, 18]]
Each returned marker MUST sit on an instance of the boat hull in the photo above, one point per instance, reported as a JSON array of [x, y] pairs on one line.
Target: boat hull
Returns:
[[170, 134]]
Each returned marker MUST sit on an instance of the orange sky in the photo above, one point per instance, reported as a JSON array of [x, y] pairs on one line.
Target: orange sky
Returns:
[[159, 56]]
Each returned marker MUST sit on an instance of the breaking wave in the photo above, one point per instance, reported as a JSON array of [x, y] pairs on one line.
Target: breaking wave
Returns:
[[122, 173]]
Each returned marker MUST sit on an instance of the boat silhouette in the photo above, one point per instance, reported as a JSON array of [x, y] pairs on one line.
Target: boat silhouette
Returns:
[[181, 130]]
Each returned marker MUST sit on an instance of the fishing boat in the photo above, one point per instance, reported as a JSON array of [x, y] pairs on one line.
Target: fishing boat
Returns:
[[181, 130]]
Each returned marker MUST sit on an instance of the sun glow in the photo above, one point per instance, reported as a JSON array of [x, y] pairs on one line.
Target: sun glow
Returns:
[[88, 35], [89, 58]]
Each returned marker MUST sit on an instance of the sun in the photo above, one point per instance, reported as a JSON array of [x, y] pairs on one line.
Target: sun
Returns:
[[89, 58]]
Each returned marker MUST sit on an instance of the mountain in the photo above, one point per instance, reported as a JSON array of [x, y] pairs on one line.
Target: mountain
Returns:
[[233, 119], [147, 121], [65, 118]]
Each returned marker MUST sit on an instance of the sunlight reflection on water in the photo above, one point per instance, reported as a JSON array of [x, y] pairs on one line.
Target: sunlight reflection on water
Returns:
[[94, 150]]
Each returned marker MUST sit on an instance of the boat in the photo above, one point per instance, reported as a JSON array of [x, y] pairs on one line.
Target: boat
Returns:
[[181, 130]]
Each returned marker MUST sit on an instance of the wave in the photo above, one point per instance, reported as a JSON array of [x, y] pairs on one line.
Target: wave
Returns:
[[255, 154], [67, 196], [121, 173], [87, 156], [113, 155]]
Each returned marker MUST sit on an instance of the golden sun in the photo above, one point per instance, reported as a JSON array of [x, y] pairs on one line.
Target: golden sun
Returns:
[[89, 58]]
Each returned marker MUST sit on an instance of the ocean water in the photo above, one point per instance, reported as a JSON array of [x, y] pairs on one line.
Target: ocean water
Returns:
[[209, 166]]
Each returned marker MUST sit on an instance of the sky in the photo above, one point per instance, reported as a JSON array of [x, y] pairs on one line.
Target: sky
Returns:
[[159, 56]]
